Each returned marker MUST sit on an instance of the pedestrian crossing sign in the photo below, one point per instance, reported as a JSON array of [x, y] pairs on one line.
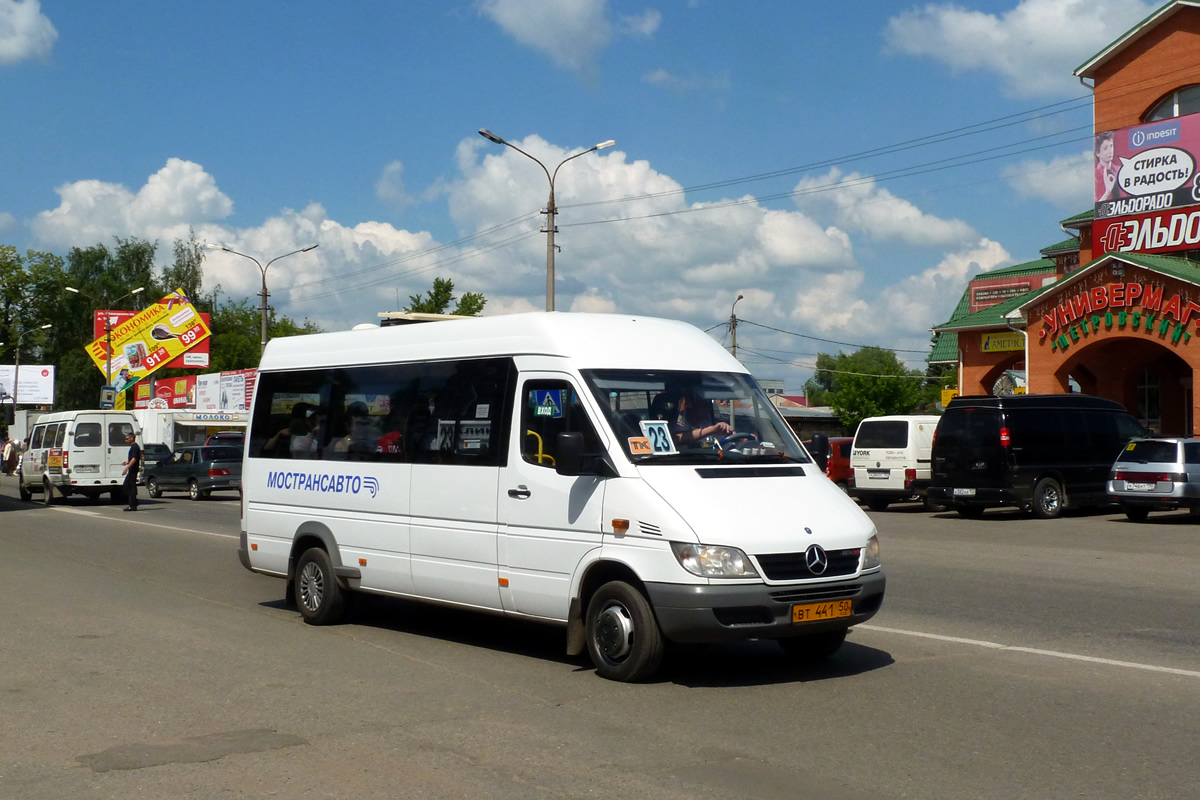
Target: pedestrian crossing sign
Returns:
[[547, 403]]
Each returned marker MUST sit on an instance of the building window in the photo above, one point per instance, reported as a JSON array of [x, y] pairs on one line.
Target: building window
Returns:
[[1176, 104], [1148, 394]]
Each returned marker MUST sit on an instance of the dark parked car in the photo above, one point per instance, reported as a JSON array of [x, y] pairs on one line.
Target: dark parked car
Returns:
[[231, 438], [1156, 475], [198, 470], [152, 454], [1040, 453]]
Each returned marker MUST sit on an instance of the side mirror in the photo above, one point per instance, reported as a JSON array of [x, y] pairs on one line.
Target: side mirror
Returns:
[[568, 455], [820, 450]]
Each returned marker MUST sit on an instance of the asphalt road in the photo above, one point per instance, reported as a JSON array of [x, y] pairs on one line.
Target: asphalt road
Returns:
[[1013, 659]]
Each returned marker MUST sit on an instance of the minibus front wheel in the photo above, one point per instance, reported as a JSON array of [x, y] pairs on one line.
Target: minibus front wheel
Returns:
[[318, 596], [623, 638]]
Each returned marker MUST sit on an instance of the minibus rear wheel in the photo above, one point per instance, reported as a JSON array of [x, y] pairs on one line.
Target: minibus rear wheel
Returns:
[[47, 492], [318, 596], [623, 638]]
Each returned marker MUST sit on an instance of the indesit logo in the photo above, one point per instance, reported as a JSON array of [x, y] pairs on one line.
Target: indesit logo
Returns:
[[318, 482]]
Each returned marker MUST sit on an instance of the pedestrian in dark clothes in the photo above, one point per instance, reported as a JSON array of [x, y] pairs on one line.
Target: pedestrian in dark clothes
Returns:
[[131, 471]]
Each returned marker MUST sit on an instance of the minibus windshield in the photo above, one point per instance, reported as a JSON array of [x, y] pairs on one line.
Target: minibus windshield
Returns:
[[692, 417]]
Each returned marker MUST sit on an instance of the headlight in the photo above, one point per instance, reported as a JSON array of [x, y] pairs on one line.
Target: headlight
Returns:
[[712, 561], [871, 554]]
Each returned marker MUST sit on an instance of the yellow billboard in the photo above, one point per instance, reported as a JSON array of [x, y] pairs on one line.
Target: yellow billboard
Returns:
[[150, 339], [1000, 342]]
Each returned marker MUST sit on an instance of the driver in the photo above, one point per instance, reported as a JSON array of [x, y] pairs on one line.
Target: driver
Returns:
[[690, 416]]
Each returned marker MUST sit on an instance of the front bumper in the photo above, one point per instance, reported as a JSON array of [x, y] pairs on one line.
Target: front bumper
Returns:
[[718, 613]]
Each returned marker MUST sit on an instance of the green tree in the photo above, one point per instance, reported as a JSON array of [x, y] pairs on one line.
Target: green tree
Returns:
[[438, 299], [237, 328], [868, 383]]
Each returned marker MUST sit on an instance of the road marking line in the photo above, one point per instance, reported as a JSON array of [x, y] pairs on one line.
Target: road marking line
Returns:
[[1035, 651], [127, 521]]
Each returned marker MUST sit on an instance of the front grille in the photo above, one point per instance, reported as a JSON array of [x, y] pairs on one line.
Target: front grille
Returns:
[[791, 566], [816, 594]]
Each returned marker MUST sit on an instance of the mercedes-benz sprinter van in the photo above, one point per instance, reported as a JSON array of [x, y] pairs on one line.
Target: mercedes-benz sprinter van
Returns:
[[623, 477]]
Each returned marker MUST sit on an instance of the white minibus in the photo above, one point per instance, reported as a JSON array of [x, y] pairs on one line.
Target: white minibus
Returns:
[[77, 452], [623, 477], [891, 458]]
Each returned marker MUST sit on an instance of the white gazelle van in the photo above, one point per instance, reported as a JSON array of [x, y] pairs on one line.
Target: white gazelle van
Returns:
[[891, 459], [77, 452], [621, 476]]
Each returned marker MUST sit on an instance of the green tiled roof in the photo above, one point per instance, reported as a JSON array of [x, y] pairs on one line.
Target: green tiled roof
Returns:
[[1019, 270], [1078, 220], [993, 316], [946, 349], [1070, 245]]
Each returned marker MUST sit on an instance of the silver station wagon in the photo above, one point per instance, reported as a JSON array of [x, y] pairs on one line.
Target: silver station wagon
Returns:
[[1156, 475]]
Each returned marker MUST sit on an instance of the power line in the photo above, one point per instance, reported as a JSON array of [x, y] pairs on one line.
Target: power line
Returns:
[[827, 341]]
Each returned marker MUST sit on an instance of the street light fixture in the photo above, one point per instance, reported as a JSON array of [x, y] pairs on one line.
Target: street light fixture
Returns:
[[17, 371], [263, 270], [107, 325], [551, 210]]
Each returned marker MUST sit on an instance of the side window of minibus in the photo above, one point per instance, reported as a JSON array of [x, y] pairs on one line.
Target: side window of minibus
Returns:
[[60, 434], [549, 408], [39, 434]]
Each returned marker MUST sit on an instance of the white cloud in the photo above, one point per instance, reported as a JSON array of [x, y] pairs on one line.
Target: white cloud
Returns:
[[1065, 181], [570, 32], [664, 79], [7, 222], [656, 255], [1034, 47], [858, 204], [178, 195], [24, 31], [644, 24], [390, 187]]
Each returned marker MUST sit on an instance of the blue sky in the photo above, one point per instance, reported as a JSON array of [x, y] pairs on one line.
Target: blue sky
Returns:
[[737, 168]]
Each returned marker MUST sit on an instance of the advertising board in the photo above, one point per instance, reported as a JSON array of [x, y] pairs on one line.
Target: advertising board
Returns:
[[1147, 168], [195, 358], [149, 340], [37, 384]]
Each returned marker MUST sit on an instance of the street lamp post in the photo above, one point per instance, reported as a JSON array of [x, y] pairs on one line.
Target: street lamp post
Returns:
[[551, 210], [263, 269], [17, 372], [733, 328], [107, 325]]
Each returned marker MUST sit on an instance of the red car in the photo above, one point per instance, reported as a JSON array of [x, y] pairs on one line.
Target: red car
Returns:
[[838, 470]]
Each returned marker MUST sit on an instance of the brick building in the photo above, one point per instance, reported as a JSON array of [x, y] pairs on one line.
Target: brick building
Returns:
[[1114, 310]]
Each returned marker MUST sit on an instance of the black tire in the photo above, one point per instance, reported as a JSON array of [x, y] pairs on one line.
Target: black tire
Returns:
[[194, 492], [844, 487], [153, 489], [875, 504], [318, 596], [47, 492], [1047, 499], [22, 489], [1136, 513], [813, 647], [623, 638], [969, 512], [118, 496], [934, 505]]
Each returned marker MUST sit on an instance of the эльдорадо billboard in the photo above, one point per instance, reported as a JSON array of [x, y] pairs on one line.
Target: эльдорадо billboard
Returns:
[[1147, 168], [149, 340]]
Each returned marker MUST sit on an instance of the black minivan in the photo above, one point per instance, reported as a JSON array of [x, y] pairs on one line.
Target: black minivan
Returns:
[[1040, 453]]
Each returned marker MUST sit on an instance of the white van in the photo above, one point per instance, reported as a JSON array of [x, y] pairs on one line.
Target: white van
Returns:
[[554, 467], [76, 452], [891, 459]]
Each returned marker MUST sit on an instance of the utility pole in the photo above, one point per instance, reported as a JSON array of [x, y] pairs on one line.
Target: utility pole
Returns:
[[733, 328]]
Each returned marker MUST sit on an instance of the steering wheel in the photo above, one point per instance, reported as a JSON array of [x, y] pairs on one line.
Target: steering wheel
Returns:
[[734, 441]]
